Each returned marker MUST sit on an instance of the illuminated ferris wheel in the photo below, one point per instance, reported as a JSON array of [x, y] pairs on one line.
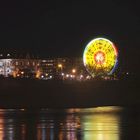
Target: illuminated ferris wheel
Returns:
[[100, 57]]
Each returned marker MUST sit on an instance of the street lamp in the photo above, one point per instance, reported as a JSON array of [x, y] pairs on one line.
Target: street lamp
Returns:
[[60, 70], [60, 66], [73, 71]]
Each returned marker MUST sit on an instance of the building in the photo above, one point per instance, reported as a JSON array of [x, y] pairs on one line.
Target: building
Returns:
[[31, 67], [6, 67]]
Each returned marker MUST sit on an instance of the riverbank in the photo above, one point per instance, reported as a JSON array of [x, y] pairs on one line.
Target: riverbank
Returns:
[[24, 93]]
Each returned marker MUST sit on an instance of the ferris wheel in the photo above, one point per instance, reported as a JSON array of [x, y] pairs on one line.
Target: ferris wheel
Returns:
[[100, 57]]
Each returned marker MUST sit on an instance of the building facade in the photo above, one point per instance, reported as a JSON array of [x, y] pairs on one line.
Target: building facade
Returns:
[[56, 68]]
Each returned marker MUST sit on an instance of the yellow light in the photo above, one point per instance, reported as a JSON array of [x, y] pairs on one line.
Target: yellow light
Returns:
[[103, 123], [14, 74], [60, 66], [38, 73], [73, 70]]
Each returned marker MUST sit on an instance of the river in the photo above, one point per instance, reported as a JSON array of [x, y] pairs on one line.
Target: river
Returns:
[[100, 123]]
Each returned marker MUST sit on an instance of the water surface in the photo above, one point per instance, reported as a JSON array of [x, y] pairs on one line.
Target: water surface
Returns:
[[101, 123]]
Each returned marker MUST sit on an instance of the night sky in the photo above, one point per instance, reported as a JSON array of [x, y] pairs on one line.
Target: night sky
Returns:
[[63, 28]]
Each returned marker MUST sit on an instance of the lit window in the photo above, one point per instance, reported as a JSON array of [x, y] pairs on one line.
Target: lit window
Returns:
[[16, 63]]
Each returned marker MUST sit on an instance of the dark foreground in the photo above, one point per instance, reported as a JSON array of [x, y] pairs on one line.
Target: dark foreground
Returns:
[[59, 94]]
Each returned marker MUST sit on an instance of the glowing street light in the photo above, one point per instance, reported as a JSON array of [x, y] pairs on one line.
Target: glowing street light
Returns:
[[60, 66], [60, 69], [67, 75], [73, 70], [22, 72], [38, 73], [62, 74]]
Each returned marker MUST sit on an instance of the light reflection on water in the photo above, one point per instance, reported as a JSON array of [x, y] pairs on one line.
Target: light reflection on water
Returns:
[[102, 123], [11, 127], [101, 127]]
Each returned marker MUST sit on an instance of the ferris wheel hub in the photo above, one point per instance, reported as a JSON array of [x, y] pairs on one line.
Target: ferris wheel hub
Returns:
[[99, 57]]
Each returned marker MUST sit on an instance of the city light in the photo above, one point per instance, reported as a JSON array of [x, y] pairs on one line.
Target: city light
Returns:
[[60, 65], [67, 75], [38, 73], [73, 70], [22, 72]]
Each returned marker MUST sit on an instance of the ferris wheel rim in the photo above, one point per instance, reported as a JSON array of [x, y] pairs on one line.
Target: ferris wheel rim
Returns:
[[112, 69]]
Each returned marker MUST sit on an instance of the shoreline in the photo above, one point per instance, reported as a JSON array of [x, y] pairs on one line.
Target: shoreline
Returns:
[[24, 93]]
